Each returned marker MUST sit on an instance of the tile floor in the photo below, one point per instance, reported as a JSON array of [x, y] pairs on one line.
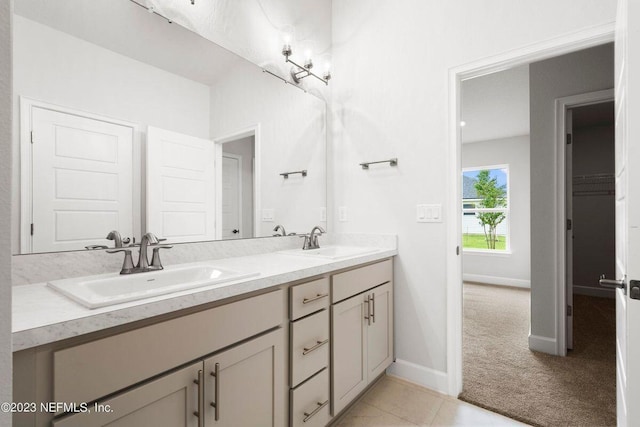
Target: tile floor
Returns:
[[394, 402]]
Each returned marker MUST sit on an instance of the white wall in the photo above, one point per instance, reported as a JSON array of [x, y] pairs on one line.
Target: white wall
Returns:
[[245, 147], [380, 113], [54, 67], [5, 207], [512, 269], [580, 72], [292, 137]]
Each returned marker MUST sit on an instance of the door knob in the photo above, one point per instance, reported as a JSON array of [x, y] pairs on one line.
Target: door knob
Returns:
[[613, 284], [236, 231]]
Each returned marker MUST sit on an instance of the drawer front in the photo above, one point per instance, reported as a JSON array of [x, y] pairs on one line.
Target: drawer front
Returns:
[[308, 298], [309, 346], [310, 402], [349, 283], [89, 371]]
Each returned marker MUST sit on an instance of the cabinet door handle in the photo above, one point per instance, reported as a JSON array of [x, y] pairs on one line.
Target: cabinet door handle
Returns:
[[315, 347], [373, 309], [317, 297], [216, 392], [368, 315], [200, 412], [308, 415]]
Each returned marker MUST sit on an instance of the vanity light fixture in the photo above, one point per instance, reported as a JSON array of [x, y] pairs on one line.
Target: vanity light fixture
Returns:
[[299, 72]]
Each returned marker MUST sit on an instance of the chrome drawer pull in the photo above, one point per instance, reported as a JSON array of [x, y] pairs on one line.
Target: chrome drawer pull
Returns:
[[317, 297], [307, 416], [200, 412], [315, 347], [216, 392]]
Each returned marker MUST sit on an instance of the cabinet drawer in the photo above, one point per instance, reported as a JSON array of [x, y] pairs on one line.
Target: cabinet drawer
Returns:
[[89, 371], [353, 282], [310, 402], [309, 346], [309, 297]]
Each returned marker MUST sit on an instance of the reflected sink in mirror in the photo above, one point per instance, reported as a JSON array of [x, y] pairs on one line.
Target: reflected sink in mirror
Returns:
[[113, 288], [332, 252]]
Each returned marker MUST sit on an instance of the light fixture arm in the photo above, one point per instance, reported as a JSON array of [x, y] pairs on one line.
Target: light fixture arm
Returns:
[[299, 72]]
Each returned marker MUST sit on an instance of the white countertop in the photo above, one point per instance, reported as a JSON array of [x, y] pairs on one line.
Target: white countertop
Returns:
[[42, 315]]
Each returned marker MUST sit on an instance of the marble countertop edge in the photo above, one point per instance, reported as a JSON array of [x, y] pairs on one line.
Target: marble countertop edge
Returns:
[[51, 317]]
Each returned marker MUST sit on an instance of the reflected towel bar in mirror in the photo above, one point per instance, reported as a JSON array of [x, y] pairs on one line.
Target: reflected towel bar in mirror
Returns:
[[392, 162], [286, 174]]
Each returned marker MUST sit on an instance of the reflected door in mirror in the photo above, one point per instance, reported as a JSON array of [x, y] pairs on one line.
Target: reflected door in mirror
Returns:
[[231, 196], [82, 181]]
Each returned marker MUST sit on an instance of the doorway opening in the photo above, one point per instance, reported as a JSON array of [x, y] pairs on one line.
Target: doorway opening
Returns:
[[589, 126], [546, 165], [237, 185]]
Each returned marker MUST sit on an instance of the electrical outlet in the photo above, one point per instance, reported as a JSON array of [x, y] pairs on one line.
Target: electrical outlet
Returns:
[[268, 215], [323, 214], [343, 214]]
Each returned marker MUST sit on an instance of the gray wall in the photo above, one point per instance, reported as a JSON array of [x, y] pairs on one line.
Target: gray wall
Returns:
[[5, 206], [512, 269], [580, 72]]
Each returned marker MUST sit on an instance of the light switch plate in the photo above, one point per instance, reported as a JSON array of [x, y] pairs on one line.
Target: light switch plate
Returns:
[[323, 214], [429, 213], [343, 214], [268, 215]]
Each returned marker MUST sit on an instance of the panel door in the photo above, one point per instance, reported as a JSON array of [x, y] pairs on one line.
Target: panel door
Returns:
[[380, 330], [627, 64], [169, 401], [245, 386], [231, 197], [180, 186], [82, 181], [348, 352]]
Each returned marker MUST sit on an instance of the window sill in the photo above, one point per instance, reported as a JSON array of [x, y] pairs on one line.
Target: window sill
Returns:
[[485, 252]]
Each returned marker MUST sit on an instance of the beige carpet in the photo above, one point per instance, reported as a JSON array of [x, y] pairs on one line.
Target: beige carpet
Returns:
[[502, 374]]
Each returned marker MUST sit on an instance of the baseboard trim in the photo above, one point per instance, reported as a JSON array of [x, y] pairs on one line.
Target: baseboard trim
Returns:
[[420, 375], [543, 344], [494, 280], [594, 292]]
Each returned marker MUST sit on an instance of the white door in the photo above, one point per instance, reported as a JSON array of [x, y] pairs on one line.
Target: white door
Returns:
[[627, 66], [82, 181], [568, 122], [231, 196], [180, 186]]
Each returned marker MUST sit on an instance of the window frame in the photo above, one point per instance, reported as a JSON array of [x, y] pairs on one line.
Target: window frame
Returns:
[[506, 210]]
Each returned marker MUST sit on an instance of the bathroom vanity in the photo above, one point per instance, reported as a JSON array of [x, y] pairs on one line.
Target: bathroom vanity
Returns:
[[293, 346]]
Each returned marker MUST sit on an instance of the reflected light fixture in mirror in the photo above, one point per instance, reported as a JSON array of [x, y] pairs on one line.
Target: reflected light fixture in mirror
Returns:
[[299, 72]]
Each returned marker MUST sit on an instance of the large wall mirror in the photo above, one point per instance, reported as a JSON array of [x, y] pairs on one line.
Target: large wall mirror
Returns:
[[126, 121]]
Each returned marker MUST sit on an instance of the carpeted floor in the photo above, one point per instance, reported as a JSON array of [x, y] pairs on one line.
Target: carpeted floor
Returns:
[[503, 375]]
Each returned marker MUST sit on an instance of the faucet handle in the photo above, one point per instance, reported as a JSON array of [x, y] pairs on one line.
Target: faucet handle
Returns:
[[127, 264], [156, 264]]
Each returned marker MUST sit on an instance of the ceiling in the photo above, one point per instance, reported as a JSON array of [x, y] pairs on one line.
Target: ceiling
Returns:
[[496, 105]]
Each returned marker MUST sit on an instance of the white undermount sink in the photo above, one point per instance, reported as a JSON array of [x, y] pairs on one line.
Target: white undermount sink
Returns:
[[332, 252], [108, 289]]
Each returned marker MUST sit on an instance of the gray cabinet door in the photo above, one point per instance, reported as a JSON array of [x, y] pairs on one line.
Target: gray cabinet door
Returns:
[[380, 331], [348, 351], [245, 385], [170, 401]]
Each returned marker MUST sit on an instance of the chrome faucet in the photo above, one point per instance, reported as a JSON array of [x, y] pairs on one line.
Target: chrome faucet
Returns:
[[148, 239], [283, 232], [311, 239], [115, 236]]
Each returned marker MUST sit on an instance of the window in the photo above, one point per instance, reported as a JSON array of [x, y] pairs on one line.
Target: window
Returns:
[[485, 209]]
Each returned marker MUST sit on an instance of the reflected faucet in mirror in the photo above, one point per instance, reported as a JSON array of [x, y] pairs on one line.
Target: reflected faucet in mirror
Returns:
[[143, 265], [282, 231]]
